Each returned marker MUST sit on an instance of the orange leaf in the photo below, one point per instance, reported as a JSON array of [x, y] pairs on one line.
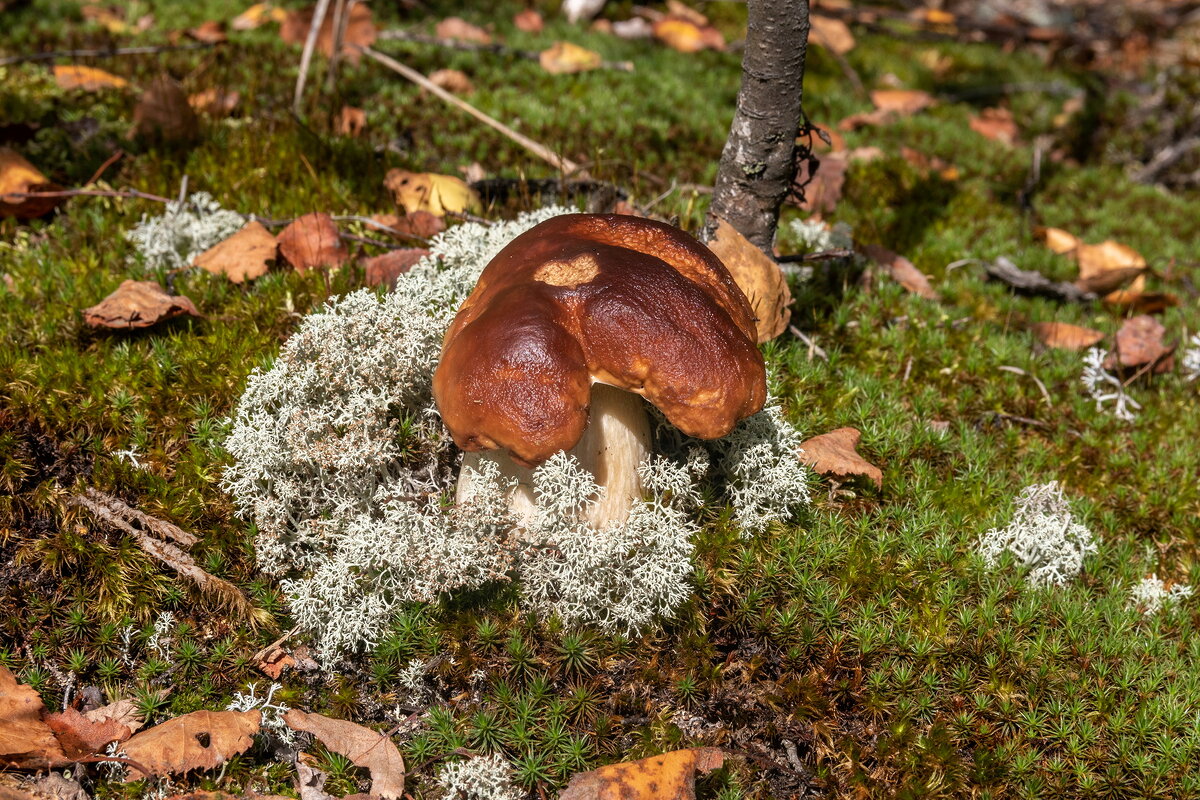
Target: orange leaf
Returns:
[[417, 225], [360, 30], [759, 278], [256, 15], [686, 36], [835, 453], [996, 124], [1140, 344], [312, 241], [81, 737], [386, 268], [245, 255], [18, 176], [350, 122], [210, 32], [214, 102], [902, 101], [902, 271], [671, 776], [89, 79], [1058, 240], [831, 33], [458, 29], [454, 81], [1064, 336], [363, 746], [528, 20], [26, 742], [199, 740], [564, 57], [137, 304]]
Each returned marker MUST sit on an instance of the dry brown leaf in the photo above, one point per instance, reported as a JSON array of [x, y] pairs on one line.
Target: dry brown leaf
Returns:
[[831, 33], [110, 19], [837, 142], [686, 36], [1140, 344], [1058, 240], [822, 192], [360, 31], [1142, 302], [1109, 281], [210, 32], [428, 191], [363, 746], [528, 20], [671, 776], [677, 8], [454, 81], [163, 112], [759, 278], [245, 255], [257, 15], [18, 176], [459, 30], [385, 269], [89, 79], [137, 304], [835, 453], [312, 241], [26, 742], [81, 737], [199, 740], [1065, 336], [564, 57], [902, 271], [215, 102], [274, 661], [123, 712], [417, 225], [902, 101], [1108, 256], [996, 124], [926, 163], [350, 122]]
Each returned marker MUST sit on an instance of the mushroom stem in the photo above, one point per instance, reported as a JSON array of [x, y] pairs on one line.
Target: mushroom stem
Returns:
[[615, 442]]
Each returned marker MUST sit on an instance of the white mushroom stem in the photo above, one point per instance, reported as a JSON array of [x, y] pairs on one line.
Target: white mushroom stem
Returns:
[[615, 442]]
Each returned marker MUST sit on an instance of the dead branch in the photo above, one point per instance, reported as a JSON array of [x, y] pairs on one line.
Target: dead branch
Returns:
[[105, 53], [1030, 282]]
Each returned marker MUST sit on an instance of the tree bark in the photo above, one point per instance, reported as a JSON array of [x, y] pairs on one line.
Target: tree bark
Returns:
[[758, 162]]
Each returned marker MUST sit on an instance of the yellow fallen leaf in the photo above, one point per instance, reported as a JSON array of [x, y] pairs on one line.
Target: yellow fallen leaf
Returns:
[[1058, 240], [19, 176], [428, 191], [759, 278], [671, 776], [1065, 336], [104, 17], [686, 36], [89, 79], [565, 57], [256, 15]]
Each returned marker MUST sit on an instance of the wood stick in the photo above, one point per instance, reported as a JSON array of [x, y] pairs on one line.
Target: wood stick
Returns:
[[341, 17], [561, 163], [310, 44], [104, 53]]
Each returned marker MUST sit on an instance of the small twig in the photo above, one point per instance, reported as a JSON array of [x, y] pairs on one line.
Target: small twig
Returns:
[[129, 194], [561, 163], [1032, 282], [813, 347], [310, 44], [341, 16], [1023, 420], [367, 240], [1040, 385], [907, 370], [104, 53], [108, 163], [466, 217], [820, 255], [129, 762], [962, 262]]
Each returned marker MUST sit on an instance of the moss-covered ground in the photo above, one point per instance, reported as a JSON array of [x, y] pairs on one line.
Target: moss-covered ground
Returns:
[[865, 639]]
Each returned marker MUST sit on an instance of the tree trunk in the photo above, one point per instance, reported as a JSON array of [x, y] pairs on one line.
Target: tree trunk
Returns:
[[758, 163]]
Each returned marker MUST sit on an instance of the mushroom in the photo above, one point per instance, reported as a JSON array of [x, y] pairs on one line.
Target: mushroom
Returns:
[[580, 318]]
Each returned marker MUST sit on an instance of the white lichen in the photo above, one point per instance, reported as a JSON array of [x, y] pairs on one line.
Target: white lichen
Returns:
[[1190, 361], [479, 778], [815, 236], [185, 230], [272, 712], [1042, 536], [1104, 387], [1152, 595]]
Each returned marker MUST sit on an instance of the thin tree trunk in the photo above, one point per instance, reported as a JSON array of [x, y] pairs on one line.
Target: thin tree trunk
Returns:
[[758, 163]]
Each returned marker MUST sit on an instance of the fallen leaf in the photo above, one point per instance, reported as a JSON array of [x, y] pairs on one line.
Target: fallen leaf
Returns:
[[677, 8], [199, 740], [996, 124], [1058, 240], [310, 782], [245, 255], [1065, 336], [81, 737], [473, 172], [759, 278], [163, 112], [124, 712], [454, 81], [1109, 281], [88, 79], [936, 16], [1103, 268], [837, 142], [257, 15], [902, 271], [1108, 256], [459, 30], [26, 742], [1142, 302], [902, 101], [428, 191], [18, 176], [137, 304], [1140, 344], [360, 31], [528, 20], [110, 20], [274, 662], [214, 102], [363, 746], [385, 269], [686, 36], [671, 776], [926, 163], [824, 189], [350, 122], [57, 786], [831, 33], [210, 32], [835, 453], [312, 241], [564, 57], [417, 225]]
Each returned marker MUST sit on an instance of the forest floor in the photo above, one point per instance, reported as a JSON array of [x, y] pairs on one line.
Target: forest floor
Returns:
[[864, 648]]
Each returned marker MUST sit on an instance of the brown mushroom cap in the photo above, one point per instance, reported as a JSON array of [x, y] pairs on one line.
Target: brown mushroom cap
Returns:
[[583, 298]]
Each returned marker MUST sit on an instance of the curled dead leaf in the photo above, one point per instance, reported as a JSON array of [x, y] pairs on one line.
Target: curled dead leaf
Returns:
[[245, 255], [428, 191], [670, 776], [459, 30], [363, 746], [81, 737], [163, 112], [759, 278], [836, 453], [138, 304], [831, 33], [902, 271], [528, 20], [199, 740], [88, 79], [564, 57], [124, 712], [18, 177], [383, 270], [312, 241], [26, 742], [1065, 336]]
